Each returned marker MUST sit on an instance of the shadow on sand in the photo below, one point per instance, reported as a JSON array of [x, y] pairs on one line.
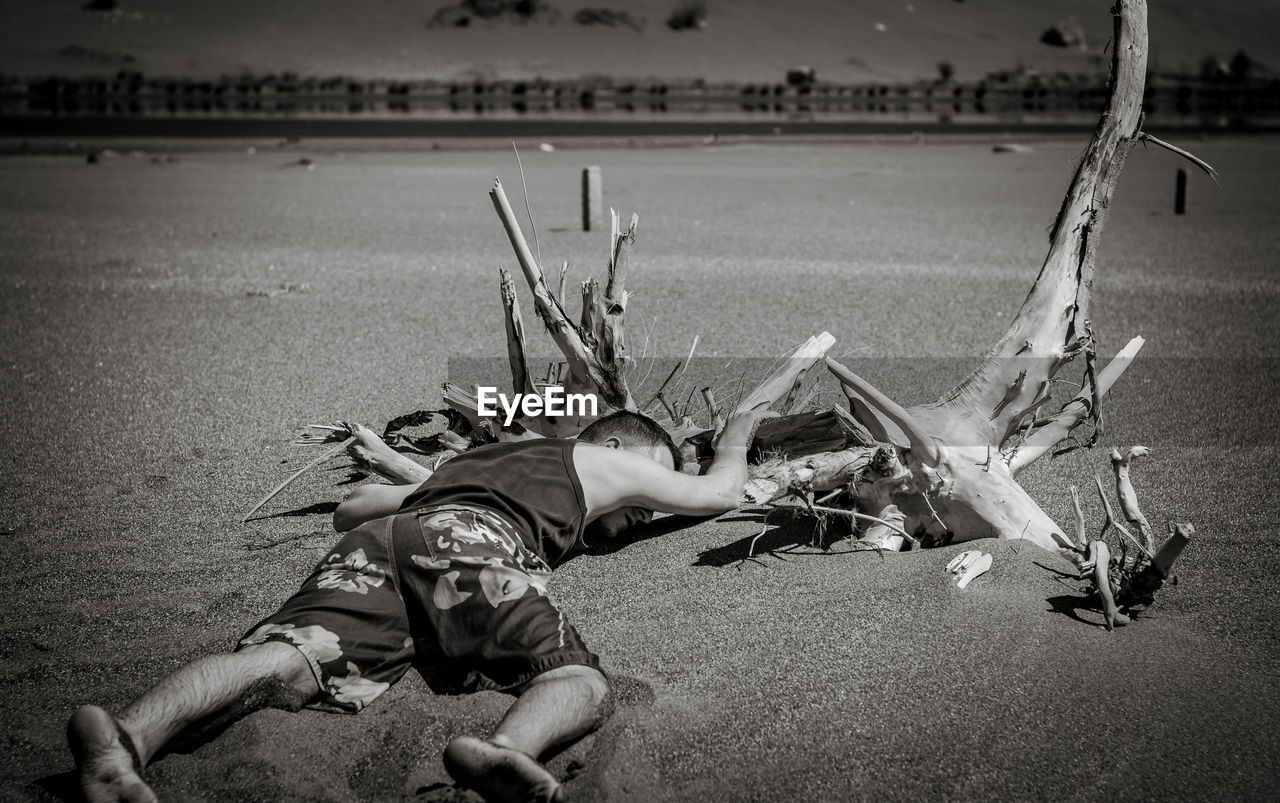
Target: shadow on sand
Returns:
[[63, 786], [777, 538]]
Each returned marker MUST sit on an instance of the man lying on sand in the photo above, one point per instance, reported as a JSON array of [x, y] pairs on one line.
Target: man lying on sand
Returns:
[[453, 569]]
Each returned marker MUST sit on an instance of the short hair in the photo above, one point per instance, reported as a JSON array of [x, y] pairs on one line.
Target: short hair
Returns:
[[632, 429]]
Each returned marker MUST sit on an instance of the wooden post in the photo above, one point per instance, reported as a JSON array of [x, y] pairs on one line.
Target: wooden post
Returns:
[[1180, 194], [592, 199]]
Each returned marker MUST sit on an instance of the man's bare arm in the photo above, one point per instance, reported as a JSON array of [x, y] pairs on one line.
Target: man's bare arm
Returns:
[[614, 478], [369, 502]]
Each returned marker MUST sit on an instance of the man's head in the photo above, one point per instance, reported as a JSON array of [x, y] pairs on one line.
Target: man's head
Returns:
[[634, 432]]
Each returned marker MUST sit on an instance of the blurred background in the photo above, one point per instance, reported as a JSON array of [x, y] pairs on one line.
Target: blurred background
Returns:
[[175, 66]]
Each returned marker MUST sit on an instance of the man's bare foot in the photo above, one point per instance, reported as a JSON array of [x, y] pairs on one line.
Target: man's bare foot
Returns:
[[499, 774], [106, 763]]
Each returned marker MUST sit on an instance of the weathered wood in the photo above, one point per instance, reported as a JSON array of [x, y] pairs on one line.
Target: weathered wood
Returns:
[[373, 453], [817, 473], [887, 534], [521, 382], [612, 347], [961, 481], [1139, 586], [1112, 522], [974, 569], [802, 434], [1100, 556], [1052, 322], [778, 384], [592, 198], [1172, 549], [591, 320], [586, 373], [564, 278], [888, 520], [620, 255], [464, 401], [871, 419], [1128, 497], [1082, 531], [713, 409], [1058, 427], [919, 439]]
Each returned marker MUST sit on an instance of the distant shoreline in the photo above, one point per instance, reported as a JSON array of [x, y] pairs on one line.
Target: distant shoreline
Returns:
[[131, 104], [194, 127]]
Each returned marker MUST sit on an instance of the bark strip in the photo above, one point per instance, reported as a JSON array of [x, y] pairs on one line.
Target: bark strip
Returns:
[[521, 382]]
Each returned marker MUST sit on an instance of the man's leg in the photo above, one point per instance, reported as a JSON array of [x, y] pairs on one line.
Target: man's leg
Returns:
[[104, 747], [481, 594], [553, 708]]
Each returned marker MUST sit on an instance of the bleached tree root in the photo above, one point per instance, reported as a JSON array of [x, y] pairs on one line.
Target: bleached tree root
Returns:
[[889, 533], [1100, 557], [1125, 586], [964, 450], [1128, 498]]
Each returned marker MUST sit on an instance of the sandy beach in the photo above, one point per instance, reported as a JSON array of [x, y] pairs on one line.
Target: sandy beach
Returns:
[[171, 323]]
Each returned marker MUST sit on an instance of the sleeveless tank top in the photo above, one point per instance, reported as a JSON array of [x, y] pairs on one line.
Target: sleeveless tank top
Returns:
[[531, 483]]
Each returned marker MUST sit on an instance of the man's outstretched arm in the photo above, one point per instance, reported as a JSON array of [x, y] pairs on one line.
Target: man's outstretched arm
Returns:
[[614, 478]]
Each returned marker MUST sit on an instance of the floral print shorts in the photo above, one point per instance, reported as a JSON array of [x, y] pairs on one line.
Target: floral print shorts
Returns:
[[448, 582]]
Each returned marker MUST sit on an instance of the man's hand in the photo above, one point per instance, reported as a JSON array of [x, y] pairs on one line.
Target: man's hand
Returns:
[[740, 429]]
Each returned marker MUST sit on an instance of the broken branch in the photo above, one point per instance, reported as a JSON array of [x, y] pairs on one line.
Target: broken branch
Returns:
[[328, 455], [1128, 497], [1101, 558], [1190, 157], [922, 443], [585, 369], [520, 379], [1073, 412], [779, 383], [373, 453]]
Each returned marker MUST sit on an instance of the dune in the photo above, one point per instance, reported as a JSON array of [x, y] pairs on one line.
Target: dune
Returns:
[[753, 40]]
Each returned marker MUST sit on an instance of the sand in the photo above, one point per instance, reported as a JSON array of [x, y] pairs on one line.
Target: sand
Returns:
[[168, 327]]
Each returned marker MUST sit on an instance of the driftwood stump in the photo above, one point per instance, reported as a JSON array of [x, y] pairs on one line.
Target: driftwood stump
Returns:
[[963, 452]]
